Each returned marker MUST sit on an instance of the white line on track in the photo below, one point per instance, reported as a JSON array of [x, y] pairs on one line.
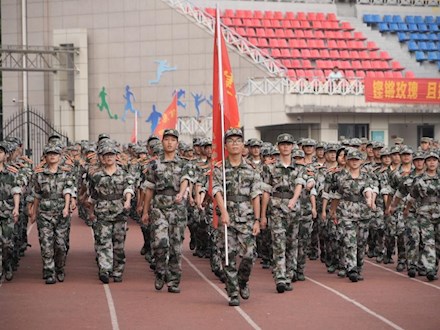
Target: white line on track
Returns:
[[243, 314], [402, 275], [110, 302], [354, 302]]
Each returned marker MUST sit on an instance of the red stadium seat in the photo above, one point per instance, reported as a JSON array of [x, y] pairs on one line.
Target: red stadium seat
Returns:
[[286, 24], [309, 34], [356, 65], [331, 17], [227, 21], [347, 35], [329, 34], [344, 54], [314, 53], [367, 65], [395, 66], [319, 34], [341, 44], [397, 74], [324, 53], [289, 34], [334, 25], [345, 65], [360, 74], [285, 53], [375, 65], [261, 33], [320, 44], [317, 25], [385, 56], [280, 33], [349, 74], [300, 34], [354, 55], [239, 13], [211, 11], [305, 25], [320, 17], [300, 73], [363, 55], [228, 13], [258, 14], [267, 23], [286, 62], [295, 24], [311, 16], [311, 43], [384, 65], [331, 44], [380, 74], [334, 54], [253, 41], [326, 25], [359, 36], [262, 43], [409, 74], [250, 32], [371, 74], [305, 53], [296, 53], [389, 74], [289, 15], [302, 43], [270, 33], [249, 14], [293, 43], [268, 14], [371, 45], [282, 43], [275, 53], [346, 26], [373, 55], [291, 73], [300, 16], [256, 22], [273, 43], [241, 31], [339, 35], [278, 15], [296, 64], [306, 64]]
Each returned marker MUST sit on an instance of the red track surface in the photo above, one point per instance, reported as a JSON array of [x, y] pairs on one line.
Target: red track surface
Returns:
[[385, 300]]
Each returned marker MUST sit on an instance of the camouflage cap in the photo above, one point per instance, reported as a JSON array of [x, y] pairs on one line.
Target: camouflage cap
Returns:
[[54, 136], [196, 141], [233, 132], [378, 145], [426, 139], [206, 142], [395, 150], [255, 143], [355, 142], [285, 138], [52, 148], [364, 140], [309, 142], [398, 140], [419, 155], [15, 140], [140, 149], [345, 142], [331, 147], [385, 152], [157, 148], [354, 154], [152, 138], [432, 154], [107, 146], [274, 151], [5, 146], [320, 145], [298, 153], [103, 136], [406, 150], [265, 151], [171, 132]]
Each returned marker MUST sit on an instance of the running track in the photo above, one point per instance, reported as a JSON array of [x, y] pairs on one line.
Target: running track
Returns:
[[384, 300]]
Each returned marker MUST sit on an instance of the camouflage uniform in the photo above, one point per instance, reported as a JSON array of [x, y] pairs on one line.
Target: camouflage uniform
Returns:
[[53, 229], [107, 193], [243, 184], [426, 194], [281, 181], [9, 186], [168, 219], [354, 214]]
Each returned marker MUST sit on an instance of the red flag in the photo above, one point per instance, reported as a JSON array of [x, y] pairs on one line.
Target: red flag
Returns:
[[169, 118], [224, 100], [134, 134]]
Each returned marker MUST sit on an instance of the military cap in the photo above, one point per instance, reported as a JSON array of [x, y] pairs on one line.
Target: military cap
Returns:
[[54, 136], [15, 140], [255, 143], [364, 140], [172, 132], [426, 139], [5, 146], [188, 147], [385, 152], [140, 149], [246, 143], [354, 154], [107, 149], [206, 142], [355, 142], [233, 132], [52, 148], [157, 148], [419, 155], [265, 151], [345, 142], [274, 151], [406, 150], [89, 148], [395, 150], [103, 136], [432, 154], [152, 138], [298, 153], [369, 143], [267, 145], [378, 145], [320, 145], [196, 141], [331, 147], [285, 138], [308, 142], [398, 140]]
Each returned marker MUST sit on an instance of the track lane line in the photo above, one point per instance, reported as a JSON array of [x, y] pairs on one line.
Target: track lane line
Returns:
[[402, 275], [240, 311], [357, 304]]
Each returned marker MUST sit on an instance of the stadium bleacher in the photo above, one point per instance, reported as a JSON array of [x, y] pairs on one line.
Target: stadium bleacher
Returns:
[[311, 44], [421, 34]]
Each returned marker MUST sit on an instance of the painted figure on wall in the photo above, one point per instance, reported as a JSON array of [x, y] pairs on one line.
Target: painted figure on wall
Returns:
[[210, 101], [162, 67], [198, 100], [128, 96], [104, 105], [181, 95], [154, 118]]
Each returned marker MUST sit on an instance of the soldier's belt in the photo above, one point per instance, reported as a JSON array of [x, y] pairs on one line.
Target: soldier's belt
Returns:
[[167, 192], [430, 200], [109, 197], [52, 196], [237, 198], [354, 198], [283, 195]]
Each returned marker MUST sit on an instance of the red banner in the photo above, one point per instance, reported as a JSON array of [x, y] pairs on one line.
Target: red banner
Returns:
[[168, 119], [402, 90]]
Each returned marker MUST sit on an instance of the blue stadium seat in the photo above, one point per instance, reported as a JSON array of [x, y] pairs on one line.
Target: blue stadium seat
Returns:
[[413, 27], [418, 19], [397, 19], [422, 27], [394, 27], [383, 27], [403, 27], [438, 65], [437, 20], [432, 36], [433, 27], [423, 46], [433, 56], [368, 19], [414, 36], [403, 37], [412, 46], [387, 19], [376, 19], [429, 20], [420, 56], [431, 46], [409, 20]]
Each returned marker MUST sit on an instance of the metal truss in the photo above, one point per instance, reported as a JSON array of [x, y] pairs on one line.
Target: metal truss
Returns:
[[37, 58], [244, 47], [190, 126]]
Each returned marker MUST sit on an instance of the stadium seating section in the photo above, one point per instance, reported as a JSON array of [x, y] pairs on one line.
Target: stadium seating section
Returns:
[[310, 44], [421, 34]]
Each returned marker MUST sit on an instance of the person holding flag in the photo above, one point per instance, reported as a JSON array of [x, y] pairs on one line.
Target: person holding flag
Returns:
[[240, 214]]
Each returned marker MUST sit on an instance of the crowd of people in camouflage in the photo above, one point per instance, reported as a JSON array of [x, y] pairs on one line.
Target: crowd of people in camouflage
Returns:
[[282, 203]]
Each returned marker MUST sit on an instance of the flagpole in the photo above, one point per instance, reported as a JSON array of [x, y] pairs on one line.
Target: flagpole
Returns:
[[135, 128], [222, 120]]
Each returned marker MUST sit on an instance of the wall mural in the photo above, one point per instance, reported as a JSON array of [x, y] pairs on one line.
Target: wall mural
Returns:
[[162, 67], [154, 118], [181, 95], [104, 105], [128, 96]]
